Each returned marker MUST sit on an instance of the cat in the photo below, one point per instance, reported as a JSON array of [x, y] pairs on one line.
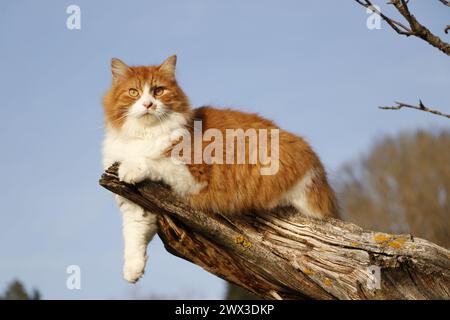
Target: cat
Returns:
[[146, 116]]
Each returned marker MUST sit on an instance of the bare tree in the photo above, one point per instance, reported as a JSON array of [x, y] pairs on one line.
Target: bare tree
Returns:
[[402, 185]]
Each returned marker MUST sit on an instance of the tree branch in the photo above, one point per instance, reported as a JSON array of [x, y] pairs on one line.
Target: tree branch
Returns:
[[279, 254], [414, 28], [421, 107]]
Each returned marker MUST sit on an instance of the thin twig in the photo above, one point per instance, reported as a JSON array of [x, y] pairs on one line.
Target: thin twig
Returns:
[[415, 28], [421, 107], [397, 26]]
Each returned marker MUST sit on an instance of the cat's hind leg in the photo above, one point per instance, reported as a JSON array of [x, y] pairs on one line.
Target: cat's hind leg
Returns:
[[312, 196], [139, 227]]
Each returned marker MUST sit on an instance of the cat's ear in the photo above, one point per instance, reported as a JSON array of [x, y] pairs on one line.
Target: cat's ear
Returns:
[[168, 66], [118, 69]]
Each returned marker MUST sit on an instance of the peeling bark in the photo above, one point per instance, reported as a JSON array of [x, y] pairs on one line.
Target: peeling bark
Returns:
[[279, 254]]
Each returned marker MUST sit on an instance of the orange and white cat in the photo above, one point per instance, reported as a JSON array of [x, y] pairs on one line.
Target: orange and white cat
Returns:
[[145, 111]]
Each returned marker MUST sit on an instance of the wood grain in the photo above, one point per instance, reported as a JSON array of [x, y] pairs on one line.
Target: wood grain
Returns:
[[280, 254]]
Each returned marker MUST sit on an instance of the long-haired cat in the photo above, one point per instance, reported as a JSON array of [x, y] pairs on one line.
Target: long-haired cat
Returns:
[[145, 111]]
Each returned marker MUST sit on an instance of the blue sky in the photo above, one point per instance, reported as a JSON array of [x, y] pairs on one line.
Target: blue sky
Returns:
[[312, 66]]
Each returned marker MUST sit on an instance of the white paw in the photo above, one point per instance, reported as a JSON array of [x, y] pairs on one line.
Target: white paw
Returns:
[[133, 171], [134, 268]]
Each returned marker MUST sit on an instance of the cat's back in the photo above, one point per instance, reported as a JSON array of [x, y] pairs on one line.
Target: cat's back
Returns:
[[239, 186], [291, 146], [228, 118]]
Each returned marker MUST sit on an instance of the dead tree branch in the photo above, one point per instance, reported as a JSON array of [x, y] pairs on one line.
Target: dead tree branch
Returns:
[[414, 28], [420, 107], [279, 254]]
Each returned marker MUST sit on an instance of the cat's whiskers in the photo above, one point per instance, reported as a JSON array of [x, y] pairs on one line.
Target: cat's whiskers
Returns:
[[121, 118], [158, 116]]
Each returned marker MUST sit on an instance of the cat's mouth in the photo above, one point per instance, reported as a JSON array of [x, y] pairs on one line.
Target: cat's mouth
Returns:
[[146, 114], [153, 113]]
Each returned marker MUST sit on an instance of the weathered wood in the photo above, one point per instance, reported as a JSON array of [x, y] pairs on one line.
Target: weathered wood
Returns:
[[279, 254]]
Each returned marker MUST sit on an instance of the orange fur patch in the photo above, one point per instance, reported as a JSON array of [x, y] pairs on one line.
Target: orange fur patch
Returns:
[[241, 187]]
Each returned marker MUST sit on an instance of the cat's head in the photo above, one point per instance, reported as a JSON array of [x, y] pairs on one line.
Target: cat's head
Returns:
[[146, 94]]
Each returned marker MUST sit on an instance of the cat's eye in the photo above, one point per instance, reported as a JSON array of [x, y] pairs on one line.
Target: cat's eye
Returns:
[[158, 91], [133, 92]]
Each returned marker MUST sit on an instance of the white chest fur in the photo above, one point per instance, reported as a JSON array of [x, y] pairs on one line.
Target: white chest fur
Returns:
[[139, 149], [139, 140]]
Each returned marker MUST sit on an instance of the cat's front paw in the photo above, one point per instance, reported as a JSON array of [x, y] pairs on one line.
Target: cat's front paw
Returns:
[[134, 268], [133, 171]]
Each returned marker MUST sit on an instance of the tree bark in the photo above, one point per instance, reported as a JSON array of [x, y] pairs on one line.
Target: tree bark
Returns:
[[279, 254]]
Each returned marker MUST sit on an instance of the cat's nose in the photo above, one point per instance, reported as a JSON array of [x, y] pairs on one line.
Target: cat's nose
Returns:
[[148, 105]]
